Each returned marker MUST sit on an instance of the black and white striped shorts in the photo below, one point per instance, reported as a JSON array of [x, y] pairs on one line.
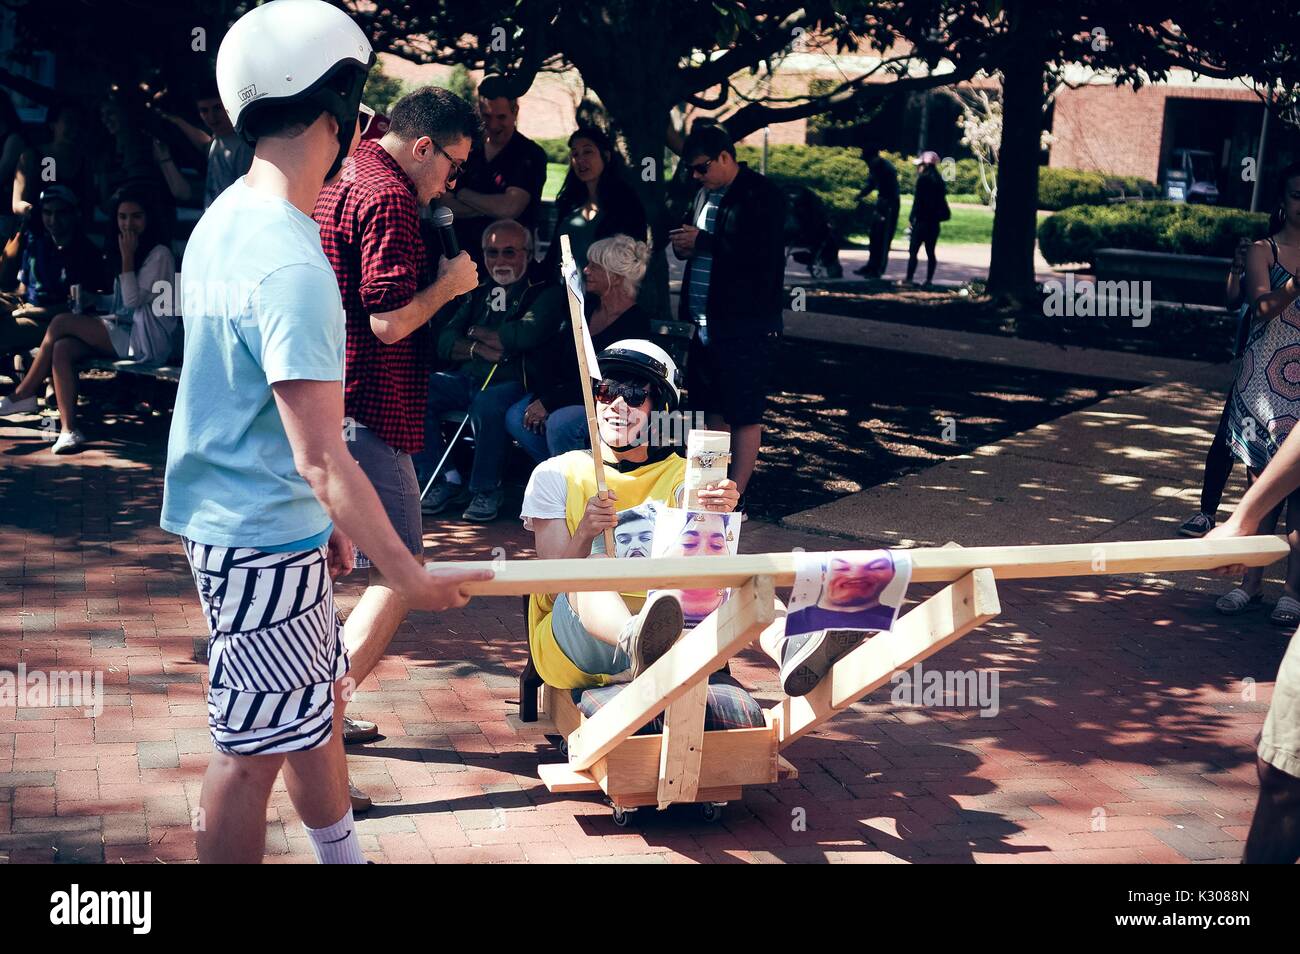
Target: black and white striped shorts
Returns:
[[275, 647]]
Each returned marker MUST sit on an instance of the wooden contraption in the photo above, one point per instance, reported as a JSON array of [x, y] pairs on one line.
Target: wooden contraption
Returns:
[[685, 763]]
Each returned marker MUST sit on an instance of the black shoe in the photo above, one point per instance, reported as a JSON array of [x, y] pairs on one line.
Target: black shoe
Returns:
[[806, 659], [443, 496]]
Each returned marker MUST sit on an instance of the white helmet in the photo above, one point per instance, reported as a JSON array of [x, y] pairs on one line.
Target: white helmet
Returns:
[[288, 51], [645, 360]]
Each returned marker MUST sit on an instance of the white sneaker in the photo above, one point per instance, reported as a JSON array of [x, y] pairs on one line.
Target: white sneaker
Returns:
[[9, 406], [69, 442]]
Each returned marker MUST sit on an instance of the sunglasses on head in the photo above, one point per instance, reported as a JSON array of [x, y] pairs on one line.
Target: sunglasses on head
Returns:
[[608, 391]]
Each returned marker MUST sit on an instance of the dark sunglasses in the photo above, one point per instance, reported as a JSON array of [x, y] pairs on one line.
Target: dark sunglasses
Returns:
[[700, 168], [456, 164], [608, 391]]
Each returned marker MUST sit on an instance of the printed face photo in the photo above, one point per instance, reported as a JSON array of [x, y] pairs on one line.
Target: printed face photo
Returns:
[[852, 586], [635, 532], [689, 534], [847, 591]]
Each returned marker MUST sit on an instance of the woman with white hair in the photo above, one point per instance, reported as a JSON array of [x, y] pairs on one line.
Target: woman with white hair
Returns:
[[552, 420]]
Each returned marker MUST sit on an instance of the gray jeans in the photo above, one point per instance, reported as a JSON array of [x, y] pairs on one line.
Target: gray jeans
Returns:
[[583, 649], [393, 476]]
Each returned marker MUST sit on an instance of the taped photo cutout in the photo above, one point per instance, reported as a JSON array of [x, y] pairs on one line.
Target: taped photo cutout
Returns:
[[635, 533], [853, 590], [691, 533]]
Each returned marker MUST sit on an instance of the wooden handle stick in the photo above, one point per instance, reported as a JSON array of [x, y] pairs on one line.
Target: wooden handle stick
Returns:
[[581, 344]]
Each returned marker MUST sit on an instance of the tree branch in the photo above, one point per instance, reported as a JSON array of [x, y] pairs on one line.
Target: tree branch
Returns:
[[756, 115]]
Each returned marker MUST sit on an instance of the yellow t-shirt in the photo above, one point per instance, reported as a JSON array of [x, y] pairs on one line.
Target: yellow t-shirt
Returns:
[[639, 494]]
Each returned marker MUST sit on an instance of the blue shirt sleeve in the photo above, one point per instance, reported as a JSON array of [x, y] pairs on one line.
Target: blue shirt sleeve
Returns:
[[298, 329]]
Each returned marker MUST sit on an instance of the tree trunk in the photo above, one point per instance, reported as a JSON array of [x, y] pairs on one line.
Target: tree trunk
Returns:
[[626, 70], [1015, 221]]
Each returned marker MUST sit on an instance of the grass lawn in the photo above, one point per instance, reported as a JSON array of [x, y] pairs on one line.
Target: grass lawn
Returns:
[[554, 179], [971, 224]]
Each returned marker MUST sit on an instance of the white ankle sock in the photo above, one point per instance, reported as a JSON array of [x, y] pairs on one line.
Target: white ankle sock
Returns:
[[452, 476], [337, 844]]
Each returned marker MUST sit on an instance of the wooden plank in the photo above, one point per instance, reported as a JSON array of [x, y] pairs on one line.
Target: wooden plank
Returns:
[[732, 757], [929, 565], [937, 622], [559, 777], [785, 769], [716, 639], [558, 706], [683, 744]]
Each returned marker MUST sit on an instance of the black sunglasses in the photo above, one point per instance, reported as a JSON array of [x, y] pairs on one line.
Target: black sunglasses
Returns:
[[608, 391], [700, 168], [456, 164]]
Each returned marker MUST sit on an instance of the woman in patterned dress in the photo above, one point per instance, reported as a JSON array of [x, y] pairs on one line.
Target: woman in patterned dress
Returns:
[[1265, 400]]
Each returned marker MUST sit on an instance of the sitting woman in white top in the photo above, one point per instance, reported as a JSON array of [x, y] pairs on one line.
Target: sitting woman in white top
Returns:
[[140, 327]]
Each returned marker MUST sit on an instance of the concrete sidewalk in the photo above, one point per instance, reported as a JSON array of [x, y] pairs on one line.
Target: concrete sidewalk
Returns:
[[1126, 468]]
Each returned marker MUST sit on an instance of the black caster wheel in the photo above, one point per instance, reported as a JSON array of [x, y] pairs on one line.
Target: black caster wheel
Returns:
[[564, 747], [712, 811], [623, 816]]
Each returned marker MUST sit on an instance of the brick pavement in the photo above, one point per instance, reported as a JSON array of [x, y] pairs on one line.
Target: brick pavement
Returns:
[[1124, 731]]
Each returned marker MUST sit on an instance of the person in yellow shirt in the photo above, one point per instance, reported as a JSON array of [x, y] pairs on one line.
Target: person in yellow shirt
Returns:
[[587, 640], [582, 640]]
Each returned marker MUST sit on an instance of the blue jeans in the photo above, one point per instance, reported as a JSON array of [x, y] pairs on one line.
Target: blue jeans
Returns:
[[566, 430], [487, 416]]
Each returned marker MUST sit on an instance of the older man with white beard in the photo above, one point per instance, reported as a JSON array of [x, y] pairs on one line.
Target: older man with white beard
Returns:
[[488, 338]]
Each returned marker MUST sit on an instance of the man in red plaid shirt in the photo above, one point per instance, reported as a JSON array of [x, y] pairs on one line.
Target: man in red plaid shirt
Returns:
[[370, 230]]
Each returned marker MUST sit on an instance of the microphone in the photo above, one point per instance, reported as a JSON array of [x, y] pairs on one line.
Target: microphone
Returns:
[[442, 219]]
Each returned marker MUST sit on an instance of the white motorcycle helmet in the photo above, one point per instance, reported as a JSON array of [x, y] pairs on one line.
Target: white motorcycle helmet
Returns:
[[290, 51], [647, 361]]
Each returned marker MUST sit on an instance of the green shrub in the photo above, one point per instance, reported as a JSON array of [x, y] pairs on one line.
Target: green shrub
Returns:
[[1062, 188], [557, 150], [833, 173], [1074, 234]]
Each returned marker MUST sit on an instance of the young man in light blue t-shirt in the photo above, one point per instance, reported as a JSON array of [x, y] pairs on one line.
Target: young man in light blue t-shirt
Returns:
[[259, 482]]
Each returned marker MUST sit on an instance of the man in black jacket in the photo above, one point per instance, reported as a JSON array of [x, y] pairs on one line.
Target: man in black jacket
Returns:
[[732, 291]]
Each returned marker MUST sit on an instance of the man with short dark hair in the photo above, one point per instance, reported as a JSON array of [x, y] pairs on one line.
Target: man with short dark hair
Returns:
[[733, 243], [259, 483], [51, 259], [505, 173], [229, 154], [370, 230]]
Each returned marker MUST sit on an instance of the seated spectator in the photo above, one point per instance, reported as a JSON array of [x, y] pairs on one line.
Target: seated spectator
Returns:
[[147, 270], [229, 154], [64, 158], [13, 143], [487, 337], [595, 201], [54, 255], [552, 420], [130, 159]]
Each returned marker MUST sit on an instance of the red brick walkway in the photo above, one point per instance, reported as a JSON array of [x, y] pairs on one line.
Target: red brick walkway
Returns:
[[1124, 732]]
